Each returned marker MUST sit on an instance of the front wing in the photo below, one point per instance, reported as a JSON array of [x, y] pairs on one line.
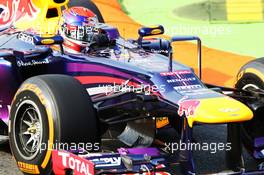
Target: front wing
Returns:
[[134, 161]]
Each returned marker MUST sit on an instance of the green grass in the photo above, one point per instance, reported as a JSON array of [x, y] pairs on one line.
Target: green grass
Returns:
[[123, 6], [181, 17]]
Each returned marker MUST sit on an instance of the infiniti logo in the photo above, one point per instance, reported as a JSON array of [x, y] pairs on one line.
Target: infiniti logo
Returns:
[[228, 110]]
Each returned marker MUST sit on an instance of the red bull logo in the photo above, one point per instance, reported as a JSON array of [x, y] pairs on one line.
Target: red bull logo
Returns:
[[188, 107], [13, 10]]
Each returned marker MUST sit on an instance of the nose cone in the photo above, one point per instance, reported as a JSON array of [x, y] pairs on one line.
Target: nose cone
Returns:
[[215, 111]]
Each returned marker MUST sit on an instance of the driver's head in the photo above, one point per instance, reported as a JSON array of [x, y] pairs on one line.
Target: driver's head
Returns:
[[78, 26]]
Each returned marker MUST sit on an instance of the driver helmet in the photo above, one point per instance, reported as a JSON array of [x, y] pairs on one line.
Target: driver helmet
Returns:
[[78, 27]]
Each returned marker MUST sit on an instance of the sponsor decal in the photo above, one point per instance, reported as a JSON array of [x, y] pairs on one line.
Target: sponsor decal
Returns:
[[107, 161], [181, 80], [26, 38], [188, 107], [229, 110], [32, 62], [180, 72], [47, 41], [188, 87], [28, 168], [13, 10], [197, 92], [63, 160], [156, 31], [159, 51]]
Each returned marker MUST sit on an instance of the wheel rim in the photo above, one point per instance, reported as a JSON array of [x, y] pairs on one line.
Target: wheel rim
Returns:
[[27, 129], [250, 87]]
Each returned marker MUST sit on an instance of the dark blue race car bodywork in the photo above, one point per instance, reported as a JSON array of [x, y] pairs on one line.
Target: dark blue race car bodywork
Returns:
[[123, 77], [127, 80]]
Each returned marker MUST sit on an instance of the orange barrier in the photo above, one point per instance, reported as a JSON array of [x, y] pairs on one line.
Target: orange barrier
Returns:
[[219, 67]]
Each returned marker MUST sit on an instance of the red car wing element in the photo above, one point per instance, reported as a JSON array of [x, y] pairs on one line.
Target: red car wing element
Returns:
[[65, 160]]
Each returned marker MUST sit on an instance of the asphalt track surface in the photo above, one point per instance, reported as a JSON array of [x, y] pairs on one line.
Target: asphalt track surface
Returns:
[[206, 162], [7, 163]]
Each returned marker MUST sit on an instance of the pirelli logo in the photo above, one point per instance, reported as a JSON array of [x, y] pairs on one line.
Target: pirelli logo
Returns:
[[236, 10], [28, 168]]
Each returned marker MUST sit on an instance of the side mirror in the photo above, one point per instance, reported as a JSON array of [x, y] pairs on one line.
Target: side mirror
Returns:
[[199, 48], [40, 40], [150, 31]]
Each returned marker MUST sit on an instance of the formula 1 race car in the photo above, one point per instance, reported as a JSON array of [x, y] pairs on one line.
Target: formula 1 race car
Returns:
[[51, 98]]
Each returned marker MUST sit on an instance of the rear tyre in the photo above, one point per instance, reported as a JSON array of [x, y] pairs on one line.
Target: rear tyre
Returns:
[[50, 112], [88, 4]]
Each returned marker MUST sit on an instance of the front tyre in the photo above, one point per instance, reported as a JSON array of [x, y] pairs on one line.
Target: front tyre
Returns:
[[251, 79], [50, 112]]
